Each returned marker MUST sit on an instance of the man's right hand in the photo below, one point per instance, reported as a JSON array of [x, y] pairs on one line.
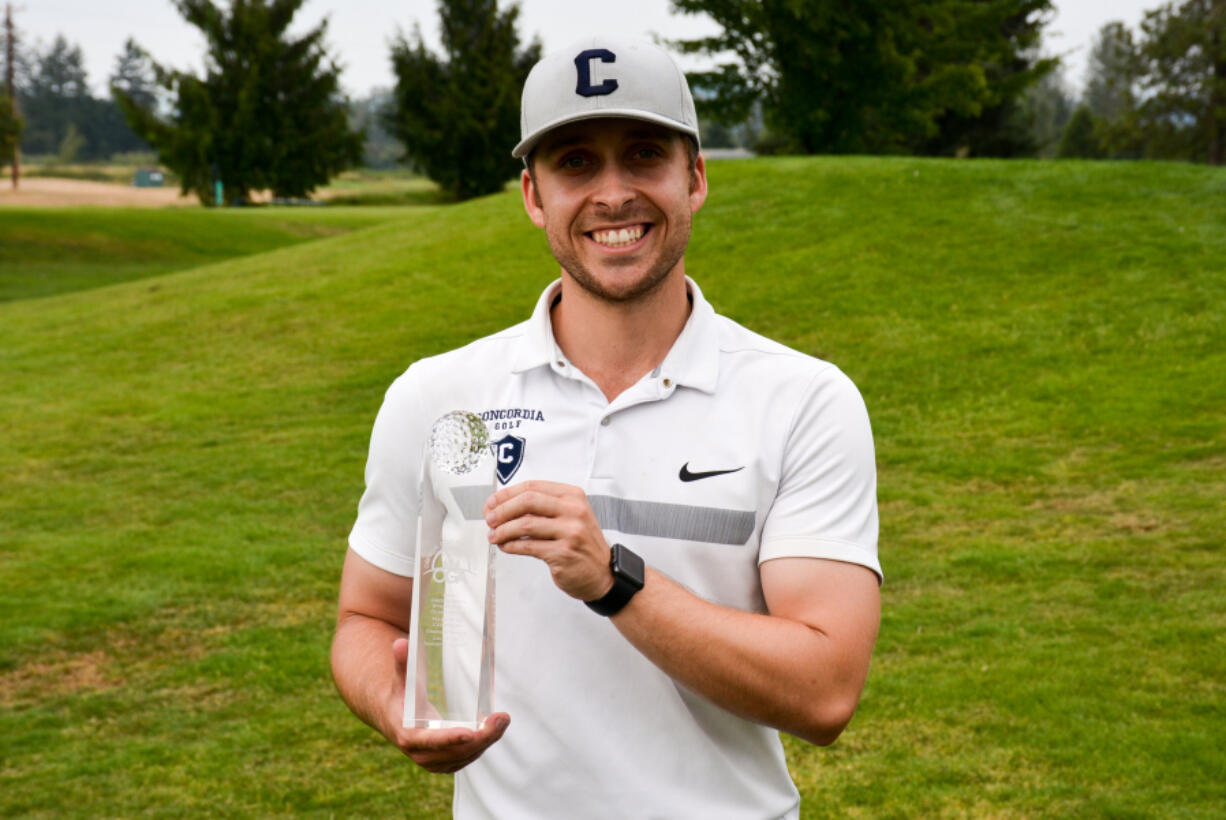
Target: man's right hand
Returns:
[[443, 751]]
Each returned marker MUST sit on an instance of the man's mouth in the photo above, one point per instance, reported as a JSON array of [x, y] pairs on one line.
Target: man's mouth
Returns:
[[619, 237]]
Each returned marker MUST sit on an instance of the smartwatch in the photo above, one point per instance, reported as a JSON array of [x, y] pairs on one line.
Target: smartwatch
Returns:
[[628, 575]]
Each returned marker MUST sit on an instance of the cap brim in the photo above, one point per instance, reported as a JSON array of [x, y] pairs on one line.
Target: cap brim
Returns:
[[526, 145]]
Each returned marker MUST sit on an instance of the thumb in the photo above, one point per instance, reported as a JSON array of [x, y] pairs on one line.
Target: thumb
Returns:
[[400, 657]]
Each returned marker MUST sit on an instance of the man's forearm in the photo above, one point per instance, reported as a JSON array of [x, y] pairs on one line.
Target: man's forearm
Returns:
[[363, 667], [769, 669]]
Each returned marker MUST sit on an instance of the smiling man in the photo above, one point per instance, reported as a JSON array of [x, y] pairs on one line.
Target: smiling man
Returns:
[[710, 496]]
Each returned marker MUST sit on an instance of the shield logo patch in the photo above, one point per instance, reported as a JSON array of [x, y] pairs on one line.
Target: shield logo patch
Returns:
[[508, 455]]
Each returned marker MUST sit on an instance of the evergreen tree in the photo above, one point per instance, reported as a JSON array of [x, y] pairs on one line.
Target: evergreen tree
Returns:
[[1111, 91], [1111, 73], [53, 93], [887, 76], [135, 77], [1183, 79], [62, 118], [1002, 37], [268, 113], [1079, 139], [380, 149], [1048, 106], [458, 115]]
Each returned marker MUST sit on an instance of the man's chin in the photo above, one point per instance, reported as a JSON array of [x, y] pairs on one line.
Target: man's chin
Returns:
[[617, 283]]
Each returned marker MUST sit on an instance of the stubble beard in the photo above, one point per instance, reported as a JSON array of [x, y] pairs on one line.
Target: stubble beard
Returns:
[[670, 255]]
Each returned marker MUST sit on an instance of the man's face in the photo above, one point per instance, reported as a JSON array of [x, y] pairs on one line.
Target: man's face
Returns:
[[615, 197]]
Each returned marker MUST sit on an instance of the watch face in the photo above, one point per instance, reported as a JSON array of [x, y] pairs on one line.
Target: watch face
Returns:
[[628, 565]]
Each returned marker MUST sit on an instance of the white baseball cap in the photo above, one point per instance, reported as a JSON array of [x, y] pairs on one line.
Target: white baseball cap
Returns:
[[604, 77]]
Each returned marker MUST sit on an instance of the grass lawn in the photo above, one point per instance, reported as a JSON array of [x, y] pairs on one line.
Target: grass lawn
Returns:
[[1041, 347], [48, 251], [393, 186]]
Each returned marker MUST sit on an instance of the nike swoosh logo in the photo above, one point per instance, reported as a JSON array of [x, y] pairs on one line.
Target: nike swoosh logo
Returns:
[[686, 475]]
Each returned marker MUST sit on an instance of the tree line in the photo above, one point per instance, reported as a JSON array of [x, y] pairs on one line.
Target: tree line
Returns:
[[60, 117], [1158, 92], [922, 77]]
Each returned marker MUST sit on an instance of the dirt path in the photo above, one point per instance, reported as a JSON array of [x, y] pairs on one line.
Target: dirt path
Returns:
[[51, 192]]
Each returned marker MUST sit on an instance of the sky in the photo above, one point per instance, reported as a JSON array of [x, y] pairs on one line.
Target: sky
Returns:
[[359, 31]]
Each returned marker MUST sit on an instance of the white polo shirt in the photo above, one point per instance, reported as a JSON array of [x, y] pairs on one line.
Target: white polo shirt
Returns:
[[734, 451]]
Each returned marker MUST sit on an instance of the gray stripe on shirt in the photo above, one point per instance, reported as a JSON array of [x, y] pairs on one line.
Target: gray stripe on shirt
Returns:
[[711, 525]]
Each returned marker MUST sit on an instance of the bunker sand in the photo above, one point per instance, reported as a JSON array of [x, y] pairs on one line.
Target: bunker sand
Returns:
[[52, 192]]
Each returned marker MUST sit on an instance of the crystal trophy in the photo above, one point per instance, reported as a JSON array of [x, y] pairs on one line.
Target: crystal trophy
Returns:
[[449, 680]]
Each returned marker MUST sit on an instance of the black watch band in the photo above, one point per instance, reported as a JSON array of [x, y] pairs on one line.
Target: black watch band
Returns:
[[628, 575]]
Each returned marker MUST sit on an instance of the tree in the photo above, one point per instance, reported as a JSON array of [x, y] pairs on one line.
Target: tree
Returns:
[[1111, 73], [889, 76], [1079, 140], [53, 93], [10, 130], [268, 113], [458, 115], [134, 76], [1048, 106], [1002, 37], [1183, 80], [1111, 91], [62, 118], [379, 149]]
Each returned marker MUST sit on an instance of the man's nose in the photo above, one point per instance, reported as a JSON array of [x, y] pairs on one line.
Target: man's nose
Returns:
[[613, 188]]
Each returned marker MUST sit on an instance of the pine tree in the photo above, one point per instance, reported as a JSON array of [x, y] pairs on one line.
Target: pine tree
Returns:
[[1111, 73], [1048, 106], [1079, 140], [1183, 77], [1001, 37], [53, 93], [890, 76], [458, 115], [268, 113], [134, 76]]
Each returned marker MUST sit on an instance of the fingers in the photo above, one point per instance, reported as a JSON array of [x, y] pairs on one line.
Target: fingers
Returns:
[[524, 502], [445, 751], [536, 527], [541, 488], [555, 523], [527, 546]]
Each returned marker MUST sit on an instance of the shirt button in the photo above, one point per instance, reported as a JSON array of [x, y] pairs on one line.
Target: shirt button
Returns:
[[561, 364], [604, 422], [668, 382]]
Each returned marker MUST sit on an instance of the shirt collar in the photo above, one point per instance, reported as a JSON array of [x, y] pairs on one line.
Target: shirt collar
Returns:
[[693, 360], [538, 348]]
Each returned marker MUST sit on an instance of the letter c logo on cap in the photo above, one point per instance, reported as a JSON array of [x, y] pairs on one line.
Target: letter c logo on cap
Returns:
[[584, 64]]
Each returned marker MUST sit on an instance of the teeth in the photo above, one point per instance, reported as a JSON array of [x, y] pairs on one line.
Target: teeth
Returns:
[[619, 237]]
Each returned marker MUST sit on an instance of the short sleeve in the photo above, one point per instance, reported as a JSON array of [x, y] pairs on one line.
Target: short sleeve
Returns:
[[826, 505], [386, 528]]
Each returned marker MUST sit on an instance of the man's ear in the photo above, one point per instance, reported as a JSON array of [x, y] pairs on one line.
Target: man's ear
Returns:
[[698, 184], [532, 199]]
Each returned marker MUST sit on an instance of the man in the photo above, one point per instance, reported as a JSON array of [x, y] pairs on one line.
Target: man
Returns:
[[638, 424]]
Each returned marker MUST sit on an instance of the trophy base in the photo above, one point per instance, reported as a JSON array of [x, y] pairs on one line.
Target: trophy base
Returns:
[[443, 724]]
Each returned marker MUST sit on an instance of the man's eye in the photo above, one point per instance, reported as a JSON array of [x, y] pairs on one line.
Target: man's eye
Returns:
[[646, 153], [574, 162]]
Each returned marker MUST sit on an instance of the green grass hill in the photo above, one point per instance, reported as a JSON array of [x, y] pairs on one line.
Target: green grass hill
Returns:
[[44, 252], [1040, 345]]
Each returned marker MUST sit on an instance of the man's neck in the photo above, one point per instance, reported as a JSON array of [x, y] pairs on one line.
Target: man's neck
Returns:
[[617, 343]]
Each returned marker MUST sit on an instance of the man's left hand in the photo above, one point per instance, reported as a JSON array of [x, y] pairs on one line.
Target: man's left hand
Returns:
[[555, 523]]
